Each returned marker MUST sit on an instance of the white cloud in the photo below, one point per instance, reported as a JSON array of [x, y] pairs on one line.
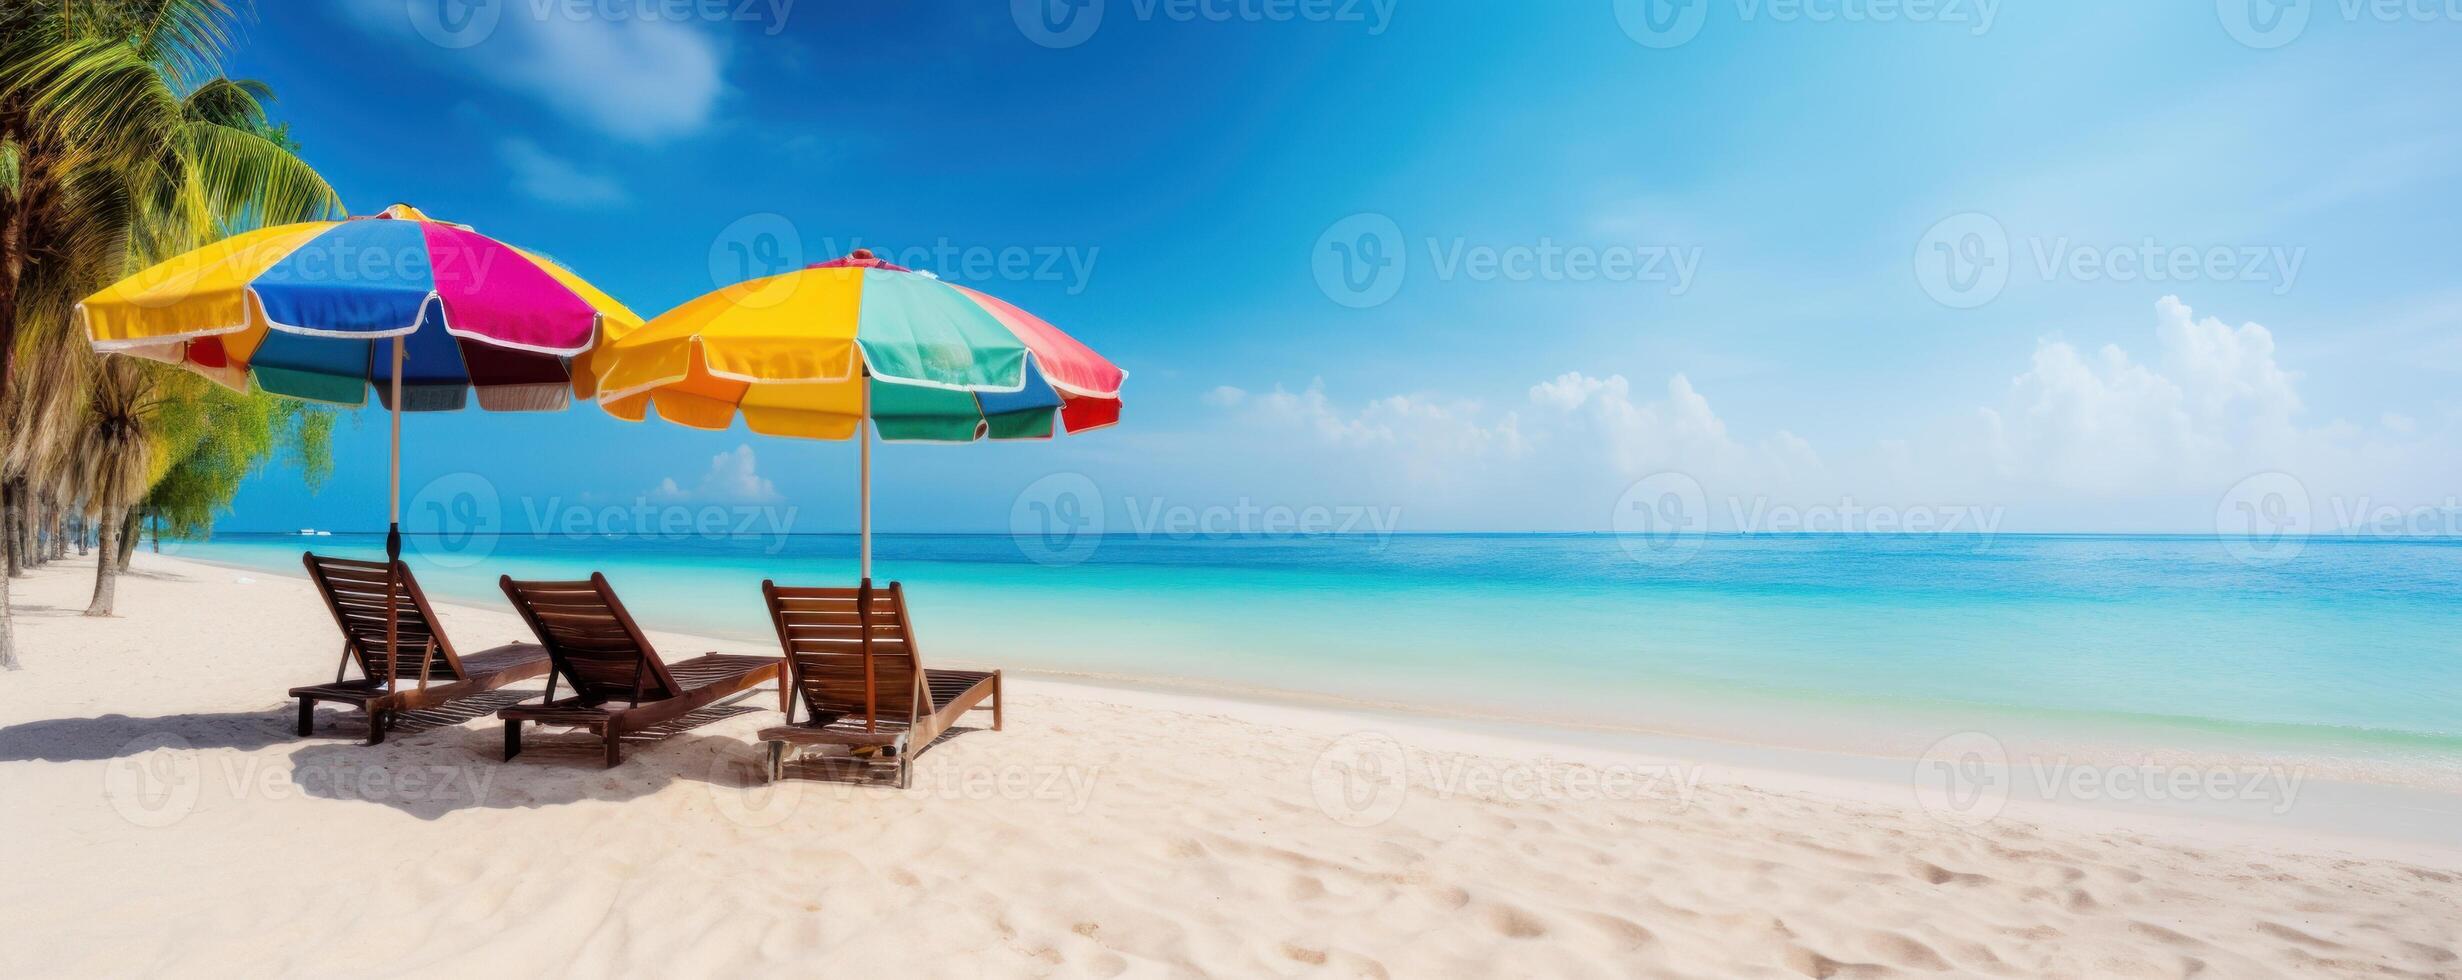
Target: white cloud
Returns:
[[638, 78], [733, 477], [1225, 396], [1417, 423], [2082, 440], [553, 179], [2216, 404], [1678, 432]]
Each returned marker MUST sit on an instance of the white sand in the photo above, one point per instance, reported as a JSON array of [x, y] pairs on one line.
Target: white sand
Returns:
[[157, 814]]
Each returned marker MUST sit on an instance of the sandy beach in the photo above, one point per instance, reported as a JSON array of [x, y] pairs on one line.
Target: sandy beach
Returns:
[[158, 814]]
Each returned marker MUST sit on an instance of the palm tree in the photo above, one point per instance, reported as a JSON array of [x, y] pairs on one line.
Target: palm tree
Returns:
[[120, 142], [111, 458]]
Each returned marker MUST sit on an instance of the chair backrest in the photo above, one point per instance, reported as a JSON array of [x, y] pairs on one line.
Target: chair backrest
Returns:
[[833, 669], [592, 640], [355, 593]]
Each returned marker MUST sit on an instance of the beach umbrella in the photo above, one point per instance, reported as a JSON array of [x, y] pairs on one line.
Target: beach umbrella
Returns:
[[424, 311], [855, 347]]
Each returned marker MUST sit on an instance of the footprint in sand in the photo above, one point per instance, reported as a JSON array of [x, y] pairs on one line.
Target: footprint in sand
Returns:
[[2433, 954], [1812, 964], [1448, 896], [1931, 873], [1628, 934], [1302, 954], [1904, 951], [2163, 935], [1515, 923], [2280, 931]]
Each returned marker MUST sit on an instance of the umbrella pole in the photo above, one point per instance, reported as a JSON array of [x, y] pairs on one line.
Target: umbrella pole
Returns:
[[863, 593], [863, 431], [393, 529]]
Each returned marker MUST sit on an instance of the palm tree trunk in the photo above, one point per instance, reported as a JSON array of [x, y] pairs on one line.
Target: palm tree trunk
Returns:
[[36, 544], [131, 530], [16, 501], [29, 522], [8, 634], [18, 555], [12, 264], [29, 516], [8, 638], [106, 571]]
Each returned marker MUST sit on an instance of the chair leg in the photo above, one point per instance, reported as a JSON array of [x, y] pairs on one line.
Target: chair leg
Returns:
[[512, 738], [996, 699], [377, 720], [615, 747], [777, 761], [307, 716]]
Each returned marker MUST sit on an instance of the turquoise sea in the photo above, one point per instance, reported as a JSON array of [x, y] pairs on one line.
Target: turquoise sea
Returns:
[[2352, 648]]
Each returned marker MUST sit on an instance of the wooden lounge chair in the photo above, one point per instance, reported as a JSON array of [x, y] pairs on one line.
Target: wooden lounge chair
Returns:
[[850, 655], [426, 673], [619, 683]]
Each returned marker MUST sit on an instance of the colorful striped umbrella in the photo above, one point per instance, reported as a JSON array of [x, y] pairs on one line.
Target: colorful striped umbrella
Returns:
[[297, 307], [300, 310], [818, 352]]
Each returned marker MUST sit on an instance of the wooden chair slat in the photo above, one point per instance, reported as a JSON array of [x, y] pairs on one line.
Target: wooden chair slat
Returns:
[[851, 658], [421, 663], [619, 682]]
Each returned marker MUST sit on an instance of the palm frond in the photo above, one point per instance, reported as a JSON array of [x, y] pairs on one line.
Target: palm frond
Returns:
[[111, 454], [235, 102], [249, 181], [187, 37], [100, 100], [12, 168]]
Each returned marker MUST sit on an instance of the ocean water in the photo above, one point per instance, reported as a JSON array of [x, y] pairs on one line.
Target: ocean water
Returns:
[[2353, 647]]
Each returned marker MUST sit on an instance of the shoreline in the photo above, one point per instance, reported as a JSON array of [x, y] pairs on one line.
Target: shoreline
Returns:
[[1775, 710], [176, 821], [2379, 818]]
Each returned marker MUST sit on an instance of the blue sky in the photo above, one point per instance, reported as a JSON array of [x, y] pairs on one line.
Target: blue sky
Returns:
[[1742, 253]]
